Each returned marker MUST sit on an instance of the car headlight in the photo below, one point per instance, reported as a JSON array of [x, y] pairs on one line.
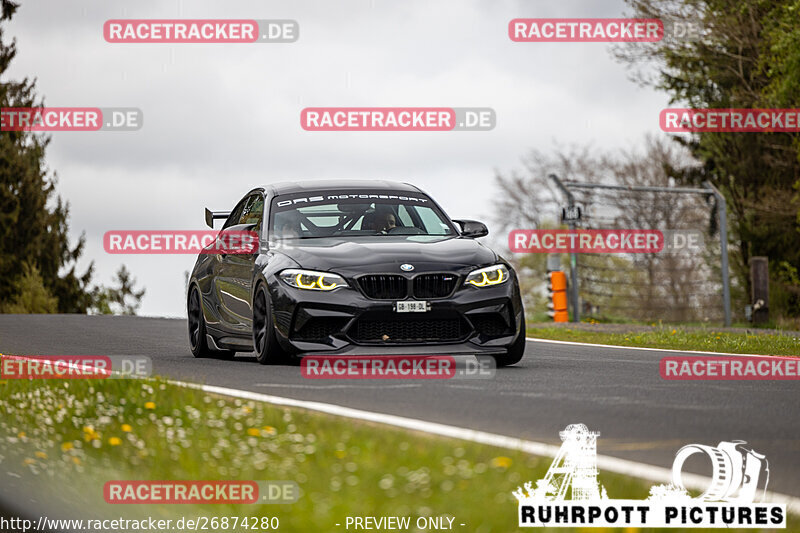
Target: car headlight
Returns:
[[484, 277], [310, 280]]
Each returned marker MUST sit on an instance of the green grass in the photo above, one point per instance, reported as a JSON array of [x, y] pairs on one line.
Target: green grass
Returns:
[[677, 339], [65, 439]]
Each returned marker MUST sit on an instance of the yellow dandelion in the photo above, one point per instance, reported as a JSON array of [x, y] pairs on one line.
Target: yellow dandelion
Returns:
[[127, 428], [150, 405], [41, 455], [674, 331], [76, 460], [28, 461], [254, 432], [501, 462], [21, 435], [90, 434], [269, 429], [340, 454], [66, 446], [115, 441]]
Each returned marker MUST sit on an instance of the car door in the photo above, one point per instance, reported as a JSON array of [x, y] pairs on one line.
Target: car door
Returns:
[[236, 272], [220, 284]]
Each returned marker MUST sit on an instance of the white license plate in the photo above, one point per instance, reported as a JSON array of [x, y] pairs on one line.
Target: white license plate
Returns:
[[411, 307]]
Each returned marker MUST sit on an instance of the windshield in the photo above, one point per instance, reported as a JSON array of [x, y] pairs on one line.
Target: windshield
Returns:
[[336, 214]]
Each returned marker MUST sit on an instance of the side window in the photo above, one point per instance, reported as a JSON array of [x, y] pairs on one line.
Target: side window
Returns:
[[253, 212], [236, 214]]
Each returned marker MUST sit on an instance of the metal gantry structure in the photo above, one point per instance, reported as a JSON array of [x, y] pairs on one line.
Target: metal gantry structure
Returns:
[[708, 190]]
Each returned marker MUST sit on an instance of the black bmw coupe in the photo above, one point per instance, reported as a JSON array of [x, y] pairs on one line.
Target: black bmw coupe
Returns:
[[353, 268]]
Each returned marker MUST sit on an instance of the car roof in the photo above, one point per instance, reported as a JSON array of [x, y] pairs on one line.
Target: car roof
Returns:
[[328, 185]]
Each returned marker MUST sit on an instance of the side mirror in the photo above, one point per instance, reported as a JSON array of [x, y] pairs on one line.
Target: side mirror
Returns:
[[211, 216], [472, 229]]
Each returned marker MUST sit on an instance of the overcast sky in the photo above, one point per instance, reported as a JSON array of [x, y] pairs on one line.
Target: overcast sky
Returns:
[[220, 119]]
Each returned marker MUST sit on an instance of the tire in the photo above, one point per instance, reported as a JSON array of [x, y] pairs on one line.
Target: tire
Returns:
[[197, 329], [515, 351], [265, 343]]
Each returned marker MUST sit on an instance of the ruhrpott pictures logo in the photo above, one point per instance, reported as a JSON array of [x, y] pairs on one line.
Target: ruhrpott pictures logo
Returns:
[[733, 497]]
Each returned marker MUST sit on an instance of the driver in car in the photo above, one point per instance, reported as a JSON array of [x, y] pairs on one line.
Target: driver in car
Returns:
[[384, 219], [389, 222]]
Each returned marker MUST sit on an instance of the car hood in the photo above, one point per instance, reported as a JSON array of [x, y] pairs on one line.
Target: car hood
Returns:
[[385, 254]]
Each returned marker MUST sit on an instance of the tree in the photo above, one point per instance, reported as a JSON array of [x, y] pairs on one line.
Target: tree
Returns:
[[37, 261], [746, 57], [32, 297], [122, 300], [33, 223]]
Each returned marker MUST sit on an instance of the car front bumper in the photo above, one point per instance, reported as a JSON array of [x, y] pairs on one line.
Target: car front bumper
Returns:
[[473, 321]]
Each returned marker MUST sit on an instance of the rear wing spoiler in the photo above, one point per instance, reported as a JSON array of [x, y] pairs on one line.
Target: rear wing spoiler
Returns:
[[211, 216]]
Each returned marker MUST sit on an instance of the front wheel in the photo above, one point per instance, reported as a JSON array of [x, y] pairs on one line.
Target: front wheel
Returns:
[[515, 351], [264, 341], [197, 329]]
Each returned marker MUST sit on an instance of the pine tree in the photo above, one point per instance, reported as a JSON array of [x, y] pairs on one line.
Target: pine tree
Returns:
[[37, 261]]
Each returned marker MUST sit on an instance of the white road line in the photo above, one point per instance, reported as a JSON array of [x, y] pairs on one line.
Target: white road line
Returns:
[[574, 343], [332, 387], [604, 462]]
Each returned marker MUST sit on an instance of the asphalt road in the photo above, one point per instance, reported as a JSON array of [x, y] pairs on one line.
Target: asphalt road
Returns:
[[615, 391]]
